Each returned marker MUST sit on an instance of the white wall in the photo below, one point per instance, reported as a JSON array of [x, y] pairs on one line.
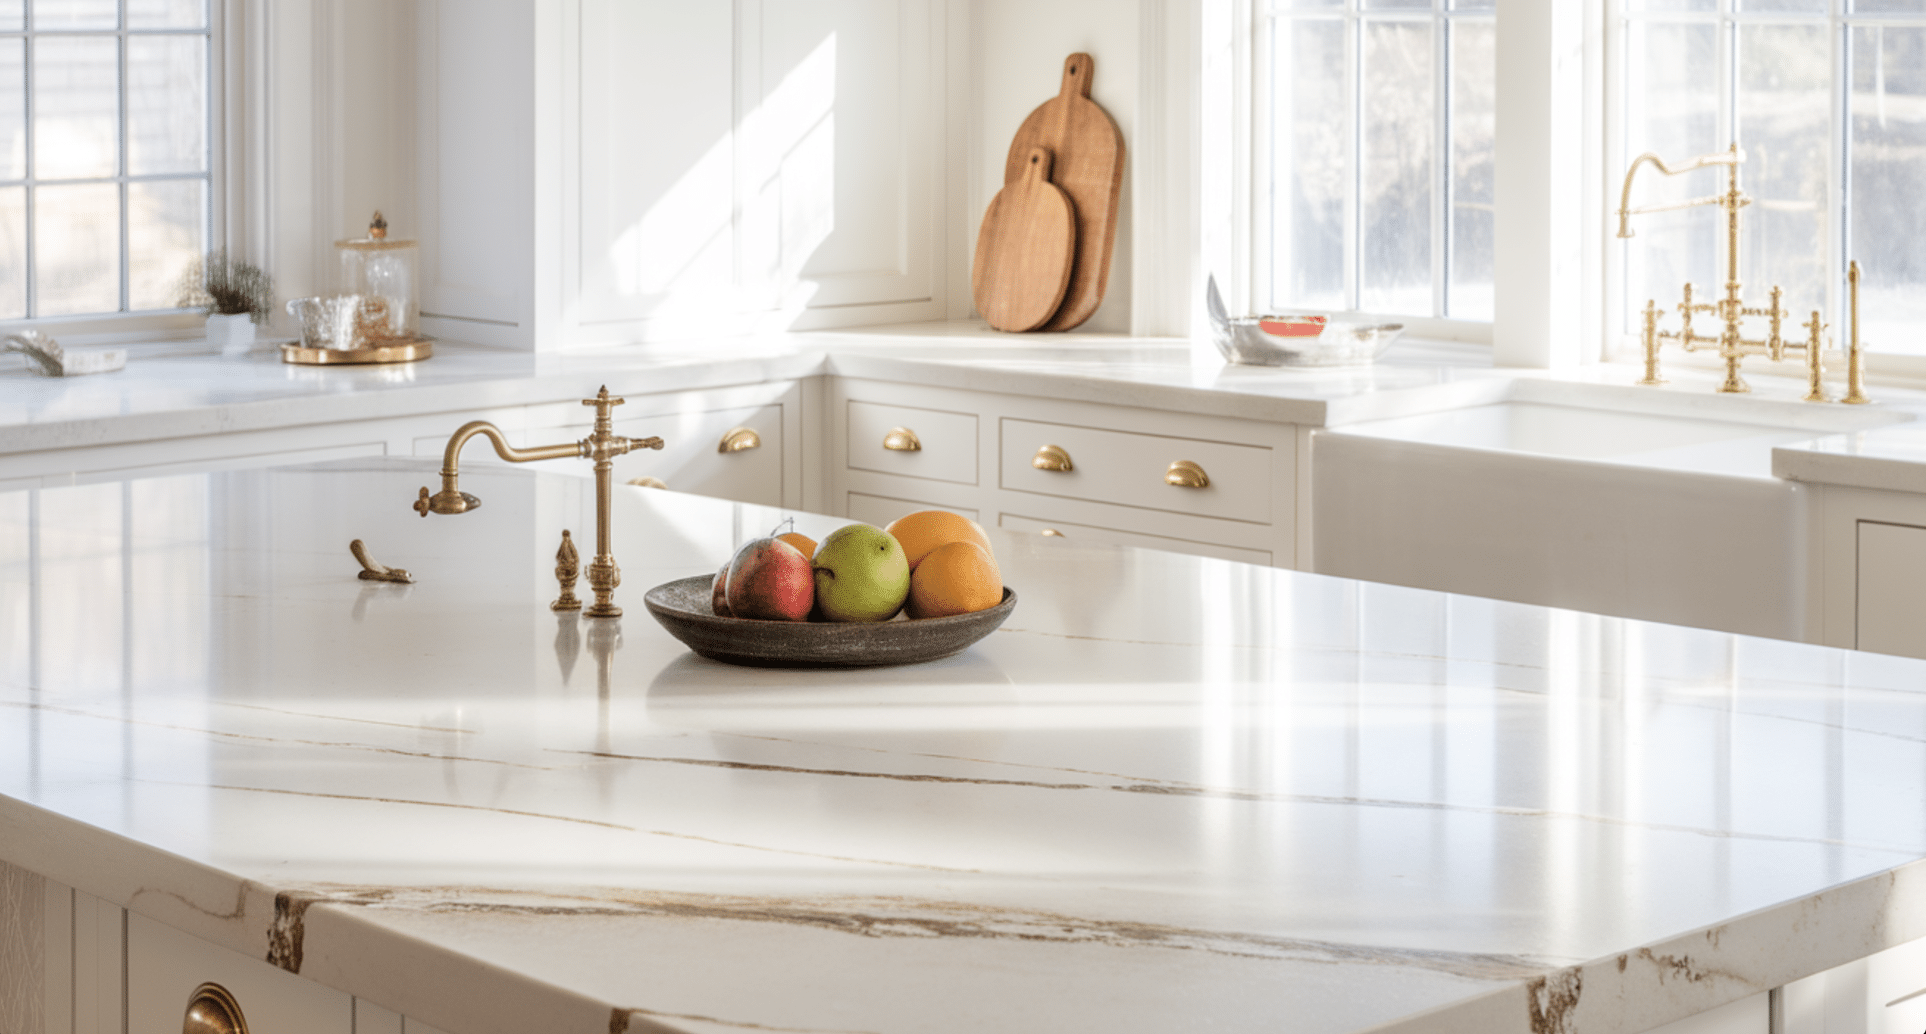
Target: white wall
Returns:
[[605, 171], [1019, 47], [337, 129]]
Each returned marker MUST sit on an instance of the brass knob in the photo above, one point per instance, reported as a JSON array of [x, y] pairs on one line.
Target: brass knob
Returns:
[[1052, 533], [1052, 457], [212, 1010], [740, 439], [648, 483], [1185, 474], [902, 439]]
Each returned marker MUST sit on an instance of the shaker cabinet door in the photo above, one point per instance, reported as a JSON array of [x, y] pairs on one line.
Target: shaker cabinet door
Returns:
[[166, 967], [1891, 609]]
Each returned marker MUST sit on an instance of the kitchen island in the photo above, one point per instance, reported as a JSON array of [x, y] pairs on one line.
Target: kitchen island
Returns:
[[1171, 793]]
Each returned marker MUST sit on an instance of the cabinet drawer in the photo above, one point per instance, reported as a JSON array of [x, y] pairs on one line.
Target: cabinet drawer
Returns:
[[880, 510], [1111, 536], [948, 441], [165, 966], [1128, 468]]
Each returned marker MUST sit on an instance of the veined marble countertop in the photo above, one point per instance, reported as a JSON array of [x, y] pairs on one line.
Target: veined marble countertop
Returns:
[[1171, 793]]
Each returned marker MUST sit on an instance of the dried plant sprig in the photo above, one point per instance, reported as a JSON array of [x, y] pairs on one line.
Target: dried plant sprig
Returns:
[[219, 283]]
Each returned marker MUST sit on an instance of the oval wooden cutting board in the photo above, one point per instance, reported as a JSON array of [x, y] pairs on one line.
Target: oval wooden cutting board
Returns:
[[1088, 160], [1024, 250]]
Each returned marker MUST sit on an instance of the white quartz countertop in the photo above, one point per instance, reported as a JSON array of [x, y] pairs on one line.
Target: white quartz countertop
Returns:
[[1171, 793], [1890, 458], [181, 390]]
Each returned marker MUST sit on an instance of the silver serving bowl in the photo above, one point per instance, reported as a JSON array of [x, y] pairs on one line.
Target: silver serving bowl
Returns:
[[1340, 342]]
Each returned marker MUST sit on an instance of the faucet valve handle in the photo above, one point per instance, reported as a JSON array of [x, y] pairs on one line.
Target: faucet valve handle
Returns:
[[645, 443], [422, 505]]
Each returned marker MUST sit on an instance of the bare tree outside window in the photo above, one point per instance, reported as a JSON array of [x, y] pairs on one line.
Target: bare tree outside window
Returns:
[[104, 153], [1380, 185]]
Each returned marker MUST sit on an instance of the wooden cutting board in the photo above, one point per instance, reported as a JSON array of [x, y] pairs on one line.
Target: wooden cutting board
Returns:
[[1024, 250], [1088, 154]]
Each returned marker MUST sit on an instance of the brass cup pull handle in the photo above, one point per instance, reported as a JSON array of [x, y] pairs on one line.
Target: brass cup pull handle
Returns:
[[647, 482], [902, 439], [1185, 474], [1052, 457], [739, 439], [1052, 533], [212, 1010]]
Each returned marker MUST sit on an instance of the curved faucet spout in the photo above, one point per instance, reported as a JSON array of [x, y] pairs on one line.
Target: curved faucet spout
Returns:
[[1732, 157], [451, 499]]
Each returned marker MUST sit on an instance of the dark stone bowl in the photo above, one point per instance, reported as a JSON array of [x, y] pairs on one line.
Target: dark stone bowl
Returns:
[[683, 606]]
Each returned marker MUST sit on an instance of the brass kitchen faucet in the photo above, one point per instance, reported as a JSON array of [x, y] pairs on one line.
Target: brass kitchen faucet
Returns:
[[1731, 310], [602, 445]]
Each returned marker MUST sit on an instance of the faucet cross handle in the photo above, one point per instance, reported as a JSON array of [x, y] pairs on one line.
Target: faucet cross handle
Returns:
[[604, 404]]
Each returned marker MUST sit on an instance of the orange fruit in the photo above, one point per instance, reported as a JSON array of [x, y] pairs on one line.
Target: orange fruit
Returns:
[[925, 530], [954, 578], [803, 543]]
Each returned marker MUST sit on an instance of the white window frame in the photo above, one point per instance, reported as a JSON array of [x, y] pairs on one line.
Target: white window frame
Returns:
[[1352, 14], [223, 140]]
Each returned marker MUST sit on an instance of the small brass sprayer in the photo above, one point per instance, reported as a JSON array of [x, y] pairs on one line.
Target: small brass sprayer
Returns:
[[602, 445], [1731, 310]]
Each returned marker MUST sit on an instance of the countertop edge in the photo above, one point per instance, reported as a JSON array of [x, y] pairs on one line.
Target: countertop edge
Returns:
[[333, 941]]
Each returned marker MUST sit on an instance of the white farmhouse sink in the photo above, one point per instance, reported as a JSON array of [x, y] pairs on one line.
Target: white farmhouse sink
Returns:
[[1664, 516]]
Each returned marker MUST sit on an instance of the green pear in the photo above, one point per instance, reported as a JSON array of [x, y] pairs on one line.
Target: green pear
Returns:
[[861, 574]]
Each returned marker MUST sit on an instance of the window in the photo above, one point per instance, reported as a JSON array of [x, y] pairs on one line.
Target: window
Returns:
[[1379, 156], [105, 186], [1828, 100]]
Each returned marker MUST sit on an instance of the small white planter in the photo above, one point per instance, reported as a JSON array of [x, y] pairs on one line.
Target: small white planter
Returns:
[[233, 335]]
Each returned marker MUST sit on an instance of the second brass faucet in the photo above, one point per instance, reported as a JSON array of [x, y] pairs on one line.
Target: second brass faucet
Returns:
[[1731, 309], [602, 445]]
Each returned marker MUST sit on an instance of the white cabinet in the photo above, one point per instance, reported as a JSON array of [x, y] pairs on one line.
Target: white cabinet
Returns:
[[1891, 613], [612, 171], [165, 968], [976, 456], [72, 963], [1132, 469], [1114, 536], [911, 442], [1869, 555], [690, 423], [62, 957], [1883, 993], [1749, 1015]]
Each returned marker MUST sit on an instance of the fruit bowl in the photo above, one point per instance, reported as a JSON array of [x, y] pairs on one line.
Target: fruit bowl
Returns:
[[684, 608]]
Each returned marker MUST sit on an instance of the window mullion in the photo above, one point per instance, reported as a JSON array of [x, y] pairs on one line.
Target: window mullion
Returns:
[[1838, 171], [1441, 161], [126, 167], [1354, 159], [32, 113]]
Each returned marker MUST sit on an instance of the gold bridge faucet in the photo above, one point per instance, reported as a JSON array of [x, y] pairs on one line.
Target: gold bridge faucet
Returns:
[[1731, 310], [602, 445]]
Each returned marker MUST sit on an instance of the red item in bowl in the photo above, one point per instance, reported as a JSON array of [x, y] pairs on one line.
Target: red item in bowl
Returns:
[[1292, 326]]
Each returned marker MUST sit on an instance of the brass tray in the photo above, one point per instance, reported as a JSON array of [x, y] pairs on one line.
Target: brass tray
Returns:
[[399, 352]]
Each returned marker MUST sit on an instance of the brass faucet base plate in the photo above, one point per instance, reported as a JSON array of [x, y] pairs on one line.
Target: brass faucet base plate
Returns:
[[603, 610]]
